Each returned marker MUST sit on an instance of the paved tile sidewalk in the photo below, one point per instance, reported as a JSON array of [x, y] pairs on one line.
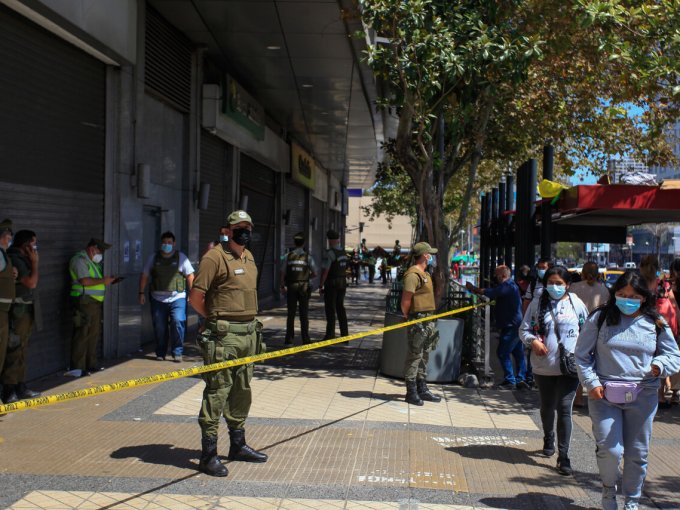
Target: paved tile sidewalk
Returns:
[[339, 436]]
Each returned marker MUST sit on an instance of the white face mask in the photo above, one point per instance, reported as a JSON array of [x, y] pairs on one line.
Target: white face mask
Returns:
[[97, 258]]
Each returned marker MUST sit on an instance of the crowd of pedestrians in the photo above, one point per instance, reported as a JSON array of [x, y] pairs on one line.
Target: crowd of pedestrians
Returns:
[[620, 345]]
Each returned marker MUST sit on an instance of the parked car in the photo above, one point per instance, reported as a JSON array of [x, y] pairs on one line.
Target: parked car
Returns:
[[629, 265]]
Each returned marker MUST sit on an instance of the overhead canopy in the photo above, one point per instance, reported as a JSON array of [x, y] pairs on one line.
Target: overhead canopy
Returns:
[[618, 205]]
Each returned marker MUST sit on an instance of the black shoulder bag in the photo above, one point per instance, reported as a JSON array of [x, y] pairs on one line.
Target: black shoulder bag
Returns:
[[567, 359]]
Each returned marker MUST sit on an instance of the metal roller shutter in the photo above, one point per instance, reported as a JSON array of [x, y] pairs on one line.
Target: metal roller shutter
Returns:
[[296, 202], [52, 142], [215, 169], [258, 182]]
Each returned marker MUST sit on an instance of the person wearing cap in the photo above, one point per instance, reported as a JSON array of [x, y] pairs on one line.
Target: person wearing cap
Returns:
[[8, 274], [333, 285], [88, 287], [225, 293], [24, 256], [417, 302], [170, 273], [299, 267]]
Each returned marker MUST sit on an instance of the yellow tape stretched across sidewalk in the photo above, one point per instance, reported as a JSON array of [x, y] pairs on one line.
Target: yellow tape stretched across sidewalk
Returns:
[[186, 372]]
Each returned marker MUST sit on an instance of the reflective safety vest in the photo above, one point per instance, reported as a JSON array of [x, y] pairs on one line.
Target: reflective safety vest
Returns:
[[297, 268], [7, 288], [96, 292], [339, 265]]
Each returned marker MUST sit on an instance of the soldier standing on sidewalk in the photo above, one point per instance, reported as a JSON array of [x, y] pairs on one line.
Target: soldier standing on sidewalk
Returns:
[[225, 292], [333, 285], [299, 268], [417, 301]]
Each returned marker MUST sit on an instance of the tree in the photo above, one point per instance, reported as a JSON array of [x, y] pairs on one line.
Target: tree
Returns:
[[493, 80]]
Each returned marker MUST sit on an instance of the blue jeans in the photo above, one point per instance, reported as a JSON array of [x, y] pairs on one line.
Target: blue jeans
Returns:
[[624, 430], [509, 344], [169, 323]]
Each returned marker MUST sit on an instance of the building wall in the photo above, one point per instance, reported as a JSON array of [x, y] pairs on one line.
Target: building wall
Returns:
[[378, 232]]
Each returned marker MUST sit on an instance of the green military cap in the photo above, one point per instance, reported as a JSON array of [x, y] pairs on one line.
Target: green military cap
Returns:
[[99, 244], [332, 234], [422, 248], [238, 217], [6, 225], [300, 236]]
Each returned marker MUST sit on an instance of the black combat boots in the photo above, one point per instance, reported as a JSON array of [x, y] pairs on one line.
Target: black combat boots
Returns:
[[9, 394], [412, 396], [209, 463], [23, 392], [424, 392], [239, 450]]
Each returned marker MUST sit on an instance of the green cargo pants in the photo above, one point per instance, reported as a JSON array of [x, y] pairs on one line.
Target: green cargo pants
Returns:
[[14, 371], [4, 335], [87, 329], [227, 392], [422, 338]]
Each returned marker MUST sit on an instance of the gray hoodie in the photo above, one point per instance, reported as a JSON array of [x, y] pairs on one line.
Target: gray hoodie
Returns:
[[625, 352]]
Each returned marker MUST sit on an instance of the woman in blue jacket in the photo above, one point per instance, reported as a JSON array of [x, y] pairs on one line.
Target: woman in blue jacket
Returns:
[[622, 352]]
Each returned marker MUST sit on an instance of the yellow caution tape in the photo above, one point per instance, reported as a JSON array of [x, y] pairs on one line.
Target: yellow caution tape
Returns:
[[187, 372]]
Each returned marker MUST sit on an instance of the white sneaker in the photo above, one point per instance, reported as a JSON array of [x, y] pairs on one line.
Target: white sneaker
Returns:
[[76, 372]]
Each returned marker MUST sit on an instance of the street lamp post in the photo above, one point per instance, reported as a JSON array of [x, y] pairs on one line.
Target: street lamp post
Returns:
[[462, 233]]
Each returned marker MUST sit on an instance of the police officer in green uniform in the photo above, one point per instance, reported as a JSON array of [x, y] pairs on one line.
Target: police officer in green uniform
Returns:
[[333, 285], [417, 301], [299, 268], [7, 291], [88, 287], [225, 293], [24, 256]]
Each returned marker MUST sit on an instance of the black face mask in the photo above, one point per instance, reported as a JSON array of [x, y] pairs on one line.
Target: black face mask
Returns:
[[241, 236]]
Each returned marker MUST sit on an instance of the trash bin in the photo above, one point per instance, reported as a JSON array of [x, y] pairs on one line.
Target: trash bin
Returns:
[[444, 363]]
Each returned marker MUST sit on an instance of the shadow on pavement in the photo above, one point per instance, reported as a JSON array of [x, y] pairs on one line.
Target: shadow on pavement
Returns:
[[163, 454], [500, 453], [533, 500], [371, 395]]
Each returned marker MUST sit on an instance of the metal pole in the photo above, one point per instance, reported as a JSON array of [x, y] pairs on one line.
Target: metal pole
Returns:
[[509, 205], [483, 244], [546, 209], [494, 230], [502, 222]]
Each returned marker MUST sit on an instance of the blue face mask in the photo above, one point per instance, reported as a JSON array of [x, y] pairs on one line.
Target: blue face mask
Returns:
[[166, 248], [556, 291], [224, 238], [541, 273], [628, 306], [430, 261]]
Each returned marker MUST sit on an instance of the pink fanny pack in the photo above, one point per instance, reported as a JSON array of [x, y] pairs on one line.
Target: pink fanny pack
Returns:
[[621, 392]]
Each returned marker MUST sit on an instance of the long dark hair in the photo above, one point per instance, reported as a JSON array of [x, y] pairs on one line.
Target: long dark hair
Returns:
[[675, 273], [610, 311], [544, 300]]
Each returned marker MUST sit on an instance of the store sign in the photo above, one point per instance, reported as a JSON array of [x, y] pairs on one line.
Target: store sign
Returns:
[[302, 166], [240, 106]]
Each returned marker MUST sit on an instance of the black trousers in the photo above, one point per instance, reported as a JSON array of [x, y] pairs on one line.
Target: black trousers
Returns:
[[557, 394], [298, 295], [334, 303]]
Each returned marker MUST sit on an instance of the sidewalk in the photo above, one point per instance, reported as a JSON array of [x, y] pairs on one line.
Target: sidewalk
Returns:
[[339, 436]]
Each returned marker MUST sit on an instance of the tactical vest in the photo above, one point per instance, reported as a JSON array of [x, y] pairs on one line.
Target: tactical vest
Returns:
[[165, 274], [297, 268], [7, 290], [339, 265], [423, 298], [96, 292], [233, 292]]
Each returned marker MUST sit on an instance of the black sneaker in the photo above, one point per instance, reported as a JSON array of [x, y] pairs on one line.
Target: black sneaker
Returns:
[[506, 386], [548, 446], [564, 466], [522, 386]]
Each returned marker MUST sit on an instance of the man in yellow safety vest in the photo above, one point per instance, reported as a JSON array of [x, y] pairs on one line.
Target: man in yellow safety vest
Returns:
[[88, 287]]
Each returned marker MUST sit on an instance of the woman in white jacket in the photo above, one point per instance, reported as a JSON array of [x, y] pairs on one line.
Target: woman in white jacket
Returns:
[[554, 317]]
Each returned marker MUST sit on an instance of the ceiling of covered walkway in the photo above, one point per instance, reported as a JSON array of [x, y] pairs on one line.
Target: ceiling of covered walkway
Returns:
[[298, 59]]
